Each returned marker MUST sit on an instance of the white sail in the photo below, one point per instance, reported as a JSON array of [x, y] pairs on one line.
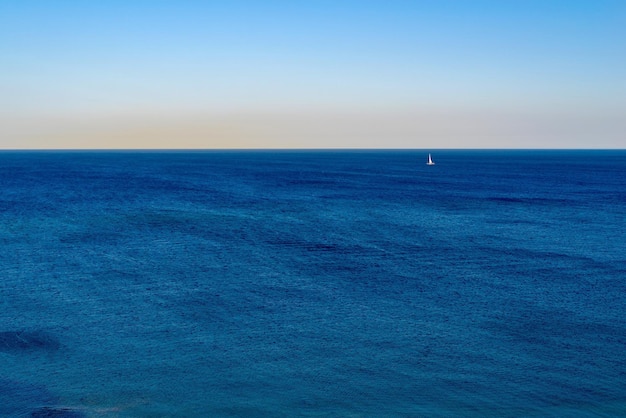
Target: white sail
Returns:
[[430, 160]]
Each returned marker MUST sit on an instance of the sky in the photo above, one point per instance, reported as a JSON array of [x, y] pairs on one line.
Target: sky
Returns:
[[312, 74]]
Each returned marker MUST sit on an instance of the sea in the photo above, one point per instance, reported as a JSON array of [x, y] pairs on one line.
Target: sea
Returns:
[[313, 283]]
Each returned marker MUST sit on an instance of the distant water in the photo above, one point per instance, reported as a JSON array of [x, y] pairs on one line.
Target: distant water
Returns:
[[182, 284]]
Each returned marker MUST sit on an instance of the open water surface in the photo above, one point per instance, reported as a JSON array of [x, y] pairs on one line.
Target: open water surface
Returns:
[[315, 284]]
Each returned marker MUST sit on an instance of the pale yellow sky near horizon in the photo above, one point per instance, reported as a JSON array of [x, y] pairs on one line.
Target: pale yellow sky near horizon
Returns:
[[417, 128]]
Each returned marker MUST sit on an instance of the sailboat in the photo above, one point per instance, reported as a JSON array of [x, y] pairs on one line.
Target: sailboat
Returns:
[[430, 160]]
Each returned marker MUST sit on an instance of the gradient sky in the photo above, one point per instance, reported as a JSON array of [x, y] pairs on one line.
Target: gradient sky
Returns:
[[309, 74]]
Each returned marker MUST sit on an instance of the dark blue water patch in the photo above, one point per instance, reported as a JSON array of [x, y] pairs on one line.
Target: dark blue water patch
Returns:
[[532, 200], [28, 341], [50, 412]]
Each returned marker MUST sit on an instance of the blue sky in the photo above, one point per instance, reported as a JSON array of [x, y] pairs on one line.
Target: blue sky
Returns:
[[254, 74]]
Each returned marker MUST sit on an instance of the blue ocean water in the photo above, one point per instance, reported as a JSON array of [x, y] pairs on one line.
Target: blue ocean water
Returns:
[[313, 283]]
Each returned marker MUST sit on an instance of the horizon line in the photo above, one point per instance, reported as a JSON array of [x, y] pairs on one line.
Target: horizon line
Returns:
[[303, 149]]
